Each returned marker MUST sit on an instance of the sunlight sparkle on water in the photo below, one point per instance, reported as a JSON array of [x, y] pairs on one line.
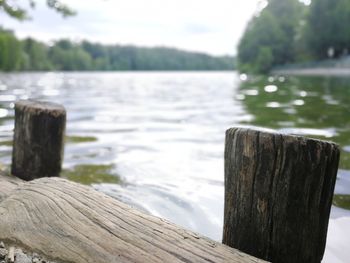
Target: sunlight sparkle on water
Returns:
[[281, 79], [3, 113], [298, 102], [273, 104], [243, 77], [271, 88], [303, 93], [251, 92], [240, 97]]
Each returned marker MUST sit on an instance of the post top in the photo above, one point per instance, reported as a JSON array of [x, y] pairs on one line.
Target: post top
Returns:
[[272, 133], [35, 106]]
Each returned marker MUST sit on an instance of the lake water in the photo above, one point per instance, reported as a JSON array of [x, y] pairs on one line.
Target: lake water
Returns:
[[156, 140]]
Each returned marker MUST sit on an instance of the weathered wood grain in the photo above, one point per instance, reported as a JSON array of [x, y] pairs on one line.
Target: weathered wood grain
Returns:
[[69, 222], [7, 185], [278, 194], [38, 139]]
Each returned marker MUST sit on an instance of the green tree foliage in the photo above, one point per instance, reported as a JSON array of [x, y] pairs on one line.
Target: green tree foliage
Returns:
[[10, 51], [270, 35], [20, 12], [264, 59], [35, 55], [66, 55], [287, 31], [69, 58], [328, 27]]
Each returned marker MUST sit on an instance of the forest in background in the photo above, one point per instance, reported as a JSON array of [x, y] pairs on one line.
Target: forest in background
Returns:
[[288, 31], [65, 55]]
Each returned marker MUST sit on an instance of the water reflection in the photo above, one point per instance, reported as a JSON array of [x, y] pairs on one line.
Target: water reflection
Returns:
[[314, 106]]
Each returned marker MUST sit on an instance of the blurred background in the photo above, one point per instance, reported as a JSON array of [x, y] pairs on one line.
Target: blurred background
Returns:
[[151, 86]]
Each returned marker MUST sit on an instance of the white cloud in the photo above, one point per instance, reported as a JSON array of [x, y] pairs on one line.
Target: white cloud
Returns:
[[202, 25]]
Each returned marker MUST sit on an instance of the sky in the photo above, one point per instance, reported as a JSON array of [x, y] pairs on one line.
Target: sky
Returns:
[[210, 26]]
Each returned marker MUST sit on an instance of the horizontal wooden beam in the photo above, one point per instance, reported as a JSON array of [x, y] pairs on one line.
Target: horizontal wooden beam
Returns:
[[69, 222]]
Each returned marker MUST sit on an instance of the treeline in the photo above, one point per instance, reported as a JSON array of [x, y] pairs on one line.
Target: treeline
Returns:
[[288, 31], [65, 55]]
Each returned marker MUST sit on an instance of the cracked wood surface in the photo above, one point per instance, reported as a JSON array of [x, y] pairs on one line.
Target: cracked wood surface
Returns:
[[38, 139], [278, 194], [69, 222]]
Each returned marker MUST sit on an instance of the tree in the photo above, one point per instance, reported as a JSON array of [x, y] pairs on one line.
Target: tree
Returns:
[[68, 56], [32, 55], [263, 31], [10, 51], [264, 59], [327, 28], [36, 55], [271, 35], [16, 11]]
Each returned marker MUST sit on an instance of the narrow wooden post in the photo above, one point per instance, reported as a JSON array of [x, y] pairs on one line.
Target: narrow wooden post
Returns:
[[38, 139], [278, 194]]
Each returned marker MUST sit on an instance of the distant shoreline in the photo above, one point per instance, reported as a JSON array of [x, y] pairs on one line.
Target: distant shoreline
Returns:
[[313, 72], [120, 71]]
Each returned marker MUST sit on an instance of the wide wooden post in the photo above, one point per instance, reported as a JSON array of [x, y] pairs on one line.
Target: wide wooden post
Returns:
[[38, 139], [278, 194]]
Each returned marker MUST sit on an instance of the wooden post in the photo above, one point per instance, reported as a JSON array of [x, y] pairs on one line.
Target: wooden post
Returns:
[[38, 139], [278, 194]]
